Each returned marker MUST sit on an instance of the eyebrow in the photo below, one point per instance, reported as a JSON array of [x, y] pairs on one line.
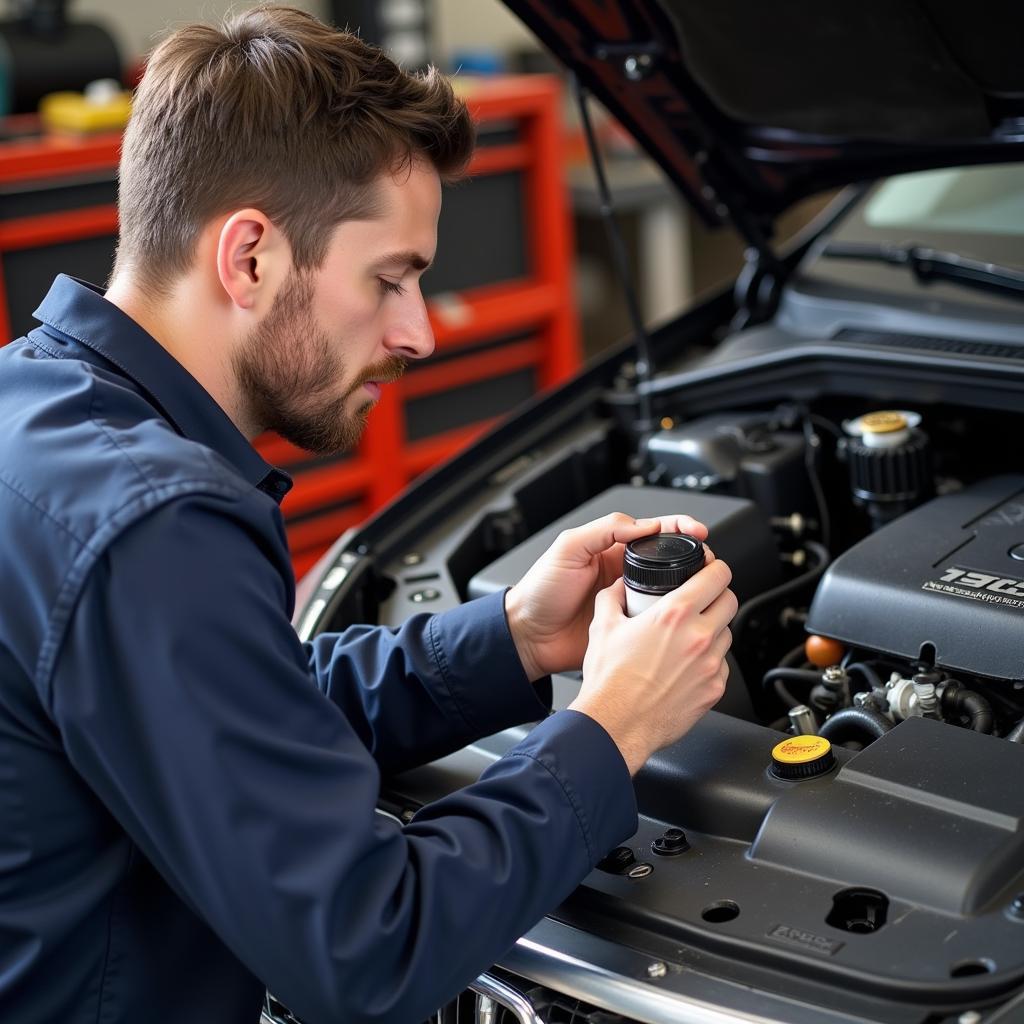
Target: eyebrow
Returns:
[[407, 258]]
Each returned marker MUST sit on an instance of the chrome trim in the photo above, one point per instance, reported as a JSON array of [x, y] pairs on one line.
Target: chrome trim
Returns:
[[310, 619], [491, 988], [334, 578], [614, 978]]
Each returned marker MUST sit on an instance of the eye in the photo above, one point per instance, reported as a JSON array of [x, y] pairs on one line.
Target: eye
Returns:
[[390, 287]]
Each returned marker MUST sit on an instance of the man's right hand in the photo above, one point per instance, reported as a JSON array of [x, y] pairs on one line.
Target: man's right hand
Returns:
[[648, 679]]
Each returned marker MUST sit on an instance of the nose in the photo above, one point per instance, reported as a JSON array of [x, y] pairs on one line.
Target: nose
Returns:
[[410, 334]]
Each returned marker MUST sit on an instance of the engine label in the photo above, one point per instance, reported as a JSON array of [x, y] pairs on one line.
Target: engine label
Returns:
[[819, 943], [979, 586]]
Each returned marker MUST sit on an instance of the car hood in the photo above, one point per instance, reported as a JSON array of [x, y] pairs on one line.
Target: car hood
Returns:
[[750, 106]]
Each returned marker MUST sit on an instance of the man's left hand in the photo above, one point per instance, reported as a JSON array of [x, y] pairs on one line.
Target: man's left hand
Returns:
[[549, 610]]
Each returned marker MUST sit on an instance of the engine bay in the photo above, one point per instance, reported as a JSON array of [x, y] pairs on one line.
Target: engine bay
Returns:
[[879, 608]]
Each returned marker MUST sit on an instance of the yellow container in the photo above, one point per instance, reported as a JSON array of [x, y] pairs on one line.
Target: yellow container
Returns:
[[104, 106]]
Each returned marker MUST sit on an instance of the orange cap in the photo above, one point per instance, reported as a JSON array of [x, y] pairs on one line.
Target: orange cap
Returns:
[[823, 651]]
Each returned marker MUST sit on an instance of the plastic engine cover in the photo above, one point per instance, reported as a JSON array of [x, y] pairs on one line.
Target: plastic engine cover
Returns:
[[738, 533], [949, 574]]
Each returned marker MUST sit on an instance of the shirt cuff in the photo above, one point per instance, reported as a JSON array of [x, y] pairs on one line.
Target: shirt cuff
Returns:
[[588, 766], [478, 663]]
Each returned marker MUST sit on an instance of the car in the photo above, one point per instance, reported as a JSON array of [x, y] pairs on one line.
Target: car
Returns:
[[842, 838]]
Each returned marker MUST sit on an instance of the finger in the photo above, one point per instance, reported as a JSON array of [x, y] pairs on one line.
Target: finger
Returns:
[[683, 524], [581, 543], [721, 611], [610, 603], [701, 589], [721, 644], [724, 677]]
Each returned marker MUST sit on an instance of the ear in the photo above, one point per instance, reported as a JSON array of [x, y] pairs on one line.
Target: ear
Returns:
[[253, 257]]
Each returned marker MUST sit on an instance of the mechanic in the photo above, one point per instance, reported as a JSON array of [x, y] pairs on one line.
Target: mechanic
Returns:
[[187, 811]]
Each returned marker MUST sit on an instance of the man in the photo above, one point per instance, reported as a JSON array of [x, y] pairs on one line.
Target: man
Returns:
[[187, 808]]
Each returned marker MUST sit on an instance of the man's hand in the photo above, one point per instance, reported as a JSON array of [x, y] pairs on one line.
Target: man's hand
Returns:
[[648, 679], [550, 609]]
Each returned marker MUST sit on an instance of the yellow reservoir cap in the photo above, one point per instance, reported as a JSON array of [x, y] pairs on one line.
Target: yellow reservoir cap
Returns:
[[802, 757], [887, 421]]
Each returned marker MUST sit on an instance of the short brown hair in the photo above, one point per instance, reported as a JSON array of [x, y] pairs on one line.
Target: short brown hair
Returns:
[[278, 111]]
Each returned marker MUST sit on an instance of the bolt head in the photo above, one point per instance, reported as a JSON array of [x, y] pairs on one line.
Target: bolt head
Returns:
[[656, 970], [969, 1017], [671, 842]]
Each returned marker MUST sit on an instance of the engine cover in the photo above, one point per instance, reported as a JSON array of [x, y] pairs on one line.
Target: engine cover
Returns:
[[949, 574]]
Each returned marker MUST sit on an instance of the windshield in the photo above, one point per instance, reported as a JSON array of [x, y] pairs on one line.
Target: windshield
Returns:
[[974, 200]]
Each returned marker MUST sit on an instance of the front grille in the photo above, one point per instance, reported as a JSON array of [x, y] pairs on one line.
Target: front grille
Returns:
[[494, 999], [957, 346]]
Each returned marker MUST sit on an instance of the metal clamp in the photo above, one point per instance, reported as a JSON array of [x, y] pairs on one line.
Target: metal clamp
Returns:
[[493, 990]]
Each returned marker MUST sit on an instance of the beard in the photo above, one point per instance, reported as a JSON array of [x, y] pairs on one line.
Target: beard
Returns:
[[288, 369]]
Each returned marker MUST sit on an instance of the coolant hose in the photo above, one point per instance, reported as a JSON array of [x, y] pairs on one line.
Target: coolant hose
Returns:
[[755, 604], [1016, 734], [791, 675], [961, 701], [855, 724], [977, 709], [778, 677], [874, 680]]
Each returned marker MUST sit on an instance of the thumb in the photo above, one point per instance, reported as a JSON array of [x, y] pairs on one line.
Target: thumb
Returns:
[[610, 603]]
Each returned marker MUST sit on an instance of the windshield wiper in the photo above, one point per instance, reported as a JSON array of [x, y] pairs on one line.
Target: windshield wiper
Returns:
[[933, 265]]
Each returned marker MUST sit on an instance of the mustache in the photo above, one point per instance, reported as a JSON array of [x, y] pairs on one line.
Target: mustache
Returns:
[[387, 371]]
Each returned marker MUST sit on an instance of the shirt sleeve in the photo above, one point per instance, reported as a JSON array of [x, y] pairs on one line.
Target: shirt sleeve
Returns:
[[431, 686], [184, 700]]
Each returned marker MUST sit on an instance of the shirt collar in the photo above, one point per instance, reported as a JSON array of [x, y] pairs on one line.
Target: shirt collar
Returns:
[[79, 310]]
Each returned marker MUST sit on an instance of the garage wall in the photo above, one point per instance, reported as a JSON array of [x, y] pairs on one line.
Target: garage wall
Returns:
[[475, 24], [139, 24], [458, 24]]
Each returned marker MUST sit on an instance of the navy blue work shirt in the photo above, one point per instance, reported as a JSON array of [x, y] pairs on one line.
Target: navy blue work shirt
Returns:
[[187, 792]]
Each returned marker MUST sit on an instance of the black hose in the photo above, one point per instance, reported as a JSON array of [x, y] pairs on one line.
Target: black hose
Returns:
[[855, 724], [784, 695], [977, 709], [748, 608], [796, 658], [958, 700], [812, 444], [874, 680], [778, 677], [1016, 734], [791, 675]]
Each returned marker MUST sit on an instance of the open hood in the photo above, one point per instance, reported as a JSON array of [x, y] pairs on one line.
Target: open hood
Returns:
[[750, 106]]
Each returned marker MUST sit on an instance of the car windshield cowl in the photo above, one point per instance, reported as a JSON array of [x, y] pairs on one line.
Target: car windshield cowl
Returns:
[[928, 264]]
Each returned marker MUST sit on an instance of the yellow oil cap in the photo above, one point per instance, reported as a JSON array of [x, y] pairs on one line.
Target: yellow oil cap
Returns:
[[802, 757], [886, 422]]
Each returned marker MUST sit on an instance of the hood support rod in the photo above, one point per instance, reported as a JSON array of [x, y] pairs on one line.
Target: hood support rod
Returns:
[[644, 368]]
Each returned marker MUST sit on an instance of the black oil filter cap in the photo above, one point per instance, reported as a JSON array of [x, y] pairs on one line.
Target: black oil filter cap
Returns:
[[656, 565]]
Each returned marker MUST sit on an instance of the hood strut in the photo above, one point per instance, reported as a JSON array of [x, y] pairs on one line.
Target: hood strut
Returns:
[[760, 282], [644, 369], [757, 287]]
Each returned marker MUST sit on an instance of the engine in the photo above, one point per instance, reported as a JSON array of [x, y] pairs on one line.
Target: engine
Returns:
[[917, 617], [874, 556]]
